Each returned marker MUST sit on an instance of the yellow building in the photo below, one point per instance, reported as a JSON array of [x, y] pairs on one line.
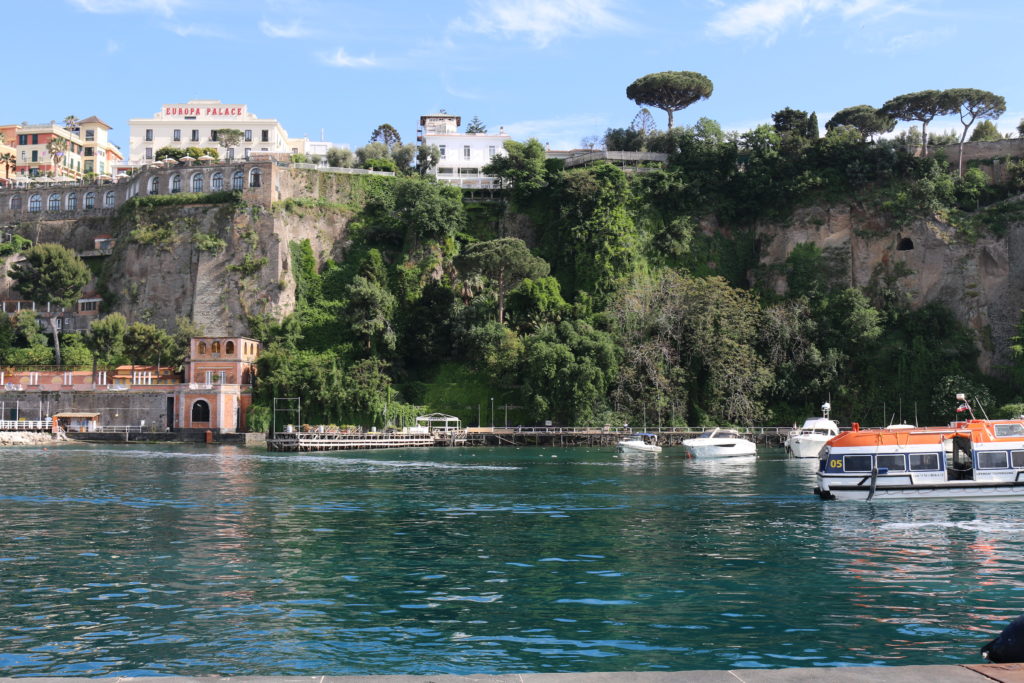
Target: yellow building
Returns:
[[62, 151]]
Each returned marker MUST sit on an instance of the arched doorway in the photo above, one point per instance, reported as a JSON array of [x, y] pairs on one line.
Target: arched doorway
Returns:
[[200, 411]]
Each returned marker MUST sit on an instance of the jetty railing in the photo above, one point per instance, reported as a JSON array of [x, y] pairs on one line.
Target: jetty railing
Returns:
[[25, 425]]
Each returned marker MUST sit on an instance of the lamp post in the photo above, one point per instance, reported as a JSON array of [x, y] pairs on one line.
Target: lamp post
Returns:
[[492, 412]]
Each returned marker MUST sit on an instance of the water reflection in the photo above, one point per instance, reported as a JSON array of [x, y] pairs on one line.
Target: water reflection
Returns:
[[183, 560]]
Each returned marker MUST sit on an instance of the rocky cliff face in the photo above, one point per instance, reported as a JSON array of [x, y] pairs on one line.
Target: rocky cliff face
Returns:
[[980, 280]]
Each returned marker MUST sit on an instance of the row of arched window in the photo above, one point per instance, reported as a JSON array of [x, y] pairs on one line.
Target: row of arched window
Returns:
[[56, 202], [197, 181], [229, 347]]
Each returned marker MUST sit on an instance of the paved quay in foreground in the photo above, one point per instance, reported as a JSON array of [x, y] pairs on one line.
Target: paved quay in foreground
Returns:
[[972, 673]]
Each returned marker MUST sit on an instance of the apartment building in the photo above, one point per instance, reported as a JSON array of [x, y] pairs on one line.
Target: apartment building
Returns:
[[71, 150]]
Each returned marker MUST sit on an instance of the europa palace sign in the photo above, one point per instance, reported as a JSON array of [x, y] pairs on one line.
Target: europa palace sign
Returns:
[[193, 111]]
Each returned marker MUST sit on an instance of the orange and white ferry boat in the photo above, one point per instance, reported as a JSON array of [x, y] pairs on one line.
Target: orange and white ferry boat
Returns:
[[974, 458]]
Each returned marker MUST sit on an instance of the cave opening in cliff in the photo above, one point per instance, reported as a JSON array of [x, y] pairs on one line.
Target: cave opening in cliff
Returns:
[[905, 244]]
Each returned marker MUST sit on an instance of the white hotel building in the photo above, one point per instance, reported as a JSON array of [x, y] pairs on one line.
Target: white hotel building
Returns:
[[194, 124], [463, 155]]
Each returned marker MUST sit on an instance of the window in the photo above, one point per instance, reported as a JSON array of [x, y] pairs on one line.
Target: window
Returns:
[[88, 305], [89, 151], [175, 183], [897, 462], [149, 152], [88, 167], [195, 135], [202, 347], [154, 186], [264, 135], [229, 347], [35, 203], [1017, 459], [53, 204], [35, 138], [16, 203], [215, 347], [90, 200], [217, 182], [443, 149], [856, 463], [248, 136], [1013, 429], [237, 180], [992, 460], [924, 461], [90, 135], [231, 153], [22, 139], [197, 182], [200, 411], [72, 201], [149, 135], [213, 136], [248, 151], [35, 155], [465, 151], [176, 135], [254, 177], [491, 152], [108, 200]]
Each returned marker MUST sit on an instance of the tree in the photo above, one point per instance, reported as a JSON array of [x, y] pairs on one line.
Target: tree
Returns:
[[369, 312], [228, 137], [865, 118], [522, 166], [643, 122], [972, 105], [373, 150], [105, 339], [506, 261], [427, 157], [920, 106], [340, 157], [70, 122], [51, 274], [476, 126], [403, 156], [986, 131], [57, 147], [386, 134], [670, 90], [791, 122], [9, 161], [1020, 129], [147, 344]]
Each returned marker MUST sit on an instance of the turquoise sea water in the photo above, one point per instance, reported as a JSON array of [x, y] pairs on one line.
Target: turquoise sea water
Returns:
[[148, 560]]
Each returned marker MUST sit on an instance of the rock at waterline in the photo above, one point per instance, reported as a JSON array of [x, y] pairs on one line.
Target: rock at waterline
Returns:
[[1008, 645], [29, 438]]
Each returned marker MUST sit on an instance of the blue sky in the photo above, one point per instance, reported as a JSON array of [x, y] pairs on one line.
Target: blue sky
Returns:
[[552, 70]]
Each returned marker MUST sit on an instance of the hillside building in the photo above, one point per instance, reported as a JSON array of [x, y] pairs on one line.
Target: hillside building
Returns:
[[195, 124], [86, 149], [463, 155]]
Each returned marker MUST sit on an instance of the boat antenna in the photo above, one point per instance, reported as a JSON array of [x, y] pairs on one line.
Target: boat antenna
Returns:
[[981, 407], [826, 408], [916, 423]]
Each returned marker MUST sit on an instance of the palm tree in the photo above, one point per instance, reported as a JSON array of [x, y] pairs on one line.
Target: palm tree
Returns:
[[71, 122], [57, 146], [9, 161]]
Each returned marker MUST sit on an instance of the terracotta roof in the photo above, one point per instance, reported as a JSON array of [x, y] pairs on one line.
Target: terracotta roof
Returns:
[[86, 415], [95, 119]]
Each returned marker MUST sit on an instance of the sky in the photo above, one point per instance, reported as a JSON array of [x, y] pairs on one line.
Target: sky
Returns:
[[557, 71]]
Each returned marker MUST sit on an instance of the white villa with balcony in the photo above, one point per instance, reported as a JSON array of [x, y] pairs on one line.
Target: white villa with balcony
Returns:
[[463, 155]]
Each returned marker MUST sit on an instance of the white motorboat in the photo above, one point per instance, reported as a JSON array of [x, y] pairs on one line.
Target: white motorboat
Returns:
[[975, 458], [639, 443], [719, 443], [809, 440]]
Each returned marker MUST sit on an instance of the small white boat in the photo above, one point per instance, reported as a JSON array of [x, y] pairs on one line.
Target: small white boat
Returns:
[[719, 443], [809, 440], [639, 443]]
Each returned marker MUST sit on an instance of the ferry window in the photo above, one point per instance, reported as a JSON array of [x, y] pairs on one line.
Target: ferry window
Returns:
[[896, 462], [992, 460], [1017, 458], [924, 461], [857, 463], [1010, 430]]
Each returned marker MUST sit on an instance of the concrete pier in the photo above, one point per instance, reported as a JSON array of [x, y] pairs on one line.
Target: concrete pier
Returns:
[[973, 673]]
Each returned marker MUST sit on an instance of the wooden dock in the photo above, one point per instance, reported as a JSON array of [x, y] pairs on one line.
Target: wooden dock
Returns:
[[306, 441], [297, 442]]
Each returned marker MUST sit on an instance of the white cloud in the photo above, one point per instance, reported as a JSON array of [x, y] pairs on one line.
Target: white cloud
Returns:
[[342, 59], [292, 30], [112, 47], [768, 18], [540, 21], [164, 7], [197, 31], [563, 133]]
